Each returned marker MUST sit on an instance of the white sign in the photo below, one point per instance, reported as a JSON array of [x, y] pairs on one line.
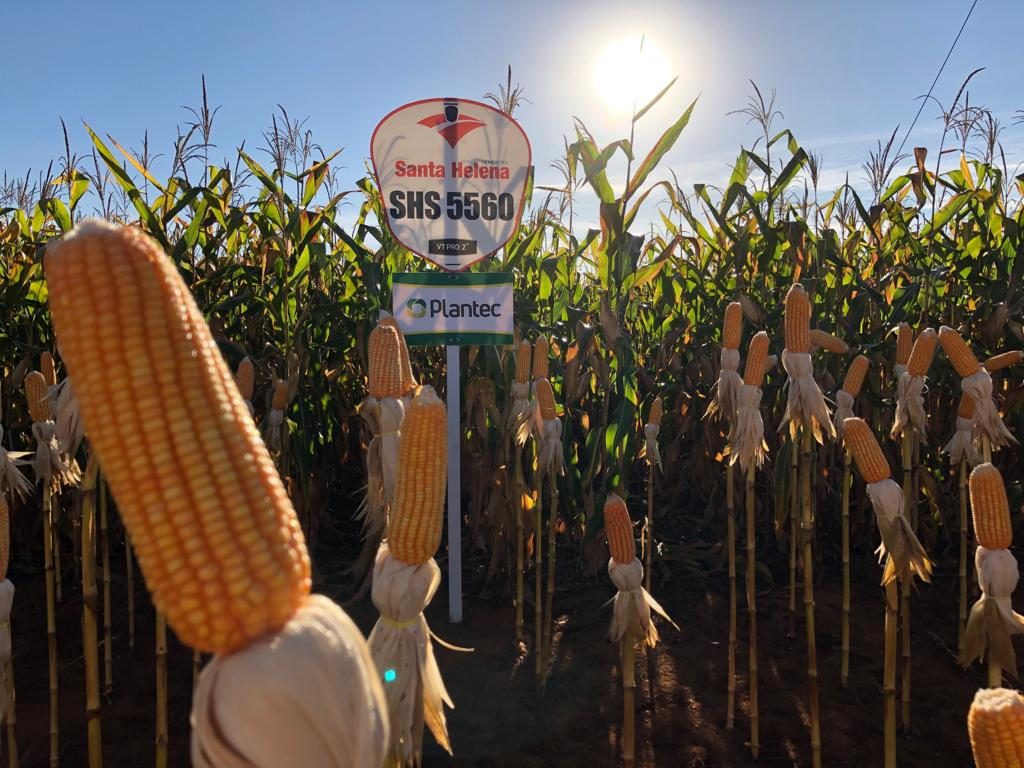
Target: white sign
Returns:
[[453, 309], [452, 176]]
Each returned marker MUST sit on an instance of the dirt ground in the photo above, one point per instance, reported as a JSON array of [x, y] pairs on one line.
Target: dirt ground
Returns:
[[501, 719]]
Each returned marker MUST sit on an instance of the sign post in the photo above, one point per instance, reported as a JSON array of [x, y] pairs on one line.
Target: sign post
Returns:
[[452, 175]]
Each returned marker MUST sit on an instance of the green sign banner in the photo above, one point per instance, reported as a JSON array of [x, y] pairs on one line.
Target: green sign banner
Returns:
[[455, 308]]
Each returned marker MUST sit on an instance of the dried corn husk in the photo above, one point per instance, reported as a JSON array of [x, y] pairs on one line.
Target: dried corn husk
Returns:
[[729, 382], [632, 606], [806, 404], [400, 644], [844, 410], [519, 423], [67, 416], [12, 481], [963, 444], [900, 549], [910, 407], [372, 510], [51, 466], [748, 445], [306, 695], [651, 448], [993, 621], [986, 415]]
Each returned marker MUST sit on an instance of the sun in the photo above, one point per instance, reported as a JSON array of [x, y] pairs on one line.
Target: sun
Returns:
[[629, 72]]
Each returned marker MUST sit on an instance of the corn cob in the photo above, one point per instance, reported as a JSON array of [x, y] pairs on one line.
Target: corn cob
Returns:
[[385, 379], [828, 342], [1004, 360], [619, 528], [904, 343], [48, 369], [798, 320], [866, 451], [408, 379], [546, 398], [414, 530], [215, 533], [922, 353], [995, 724], [39, 406], [990, 509], [966, 408], [757, 358], [855, 375], [540, 358], [732, 326], [245, 377], [523, 352], [657, 412], [959, 353]]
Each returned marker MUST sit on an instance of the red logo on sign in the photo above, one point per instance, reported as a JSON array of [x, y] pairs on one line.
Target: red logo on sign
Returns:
[[451, 125]]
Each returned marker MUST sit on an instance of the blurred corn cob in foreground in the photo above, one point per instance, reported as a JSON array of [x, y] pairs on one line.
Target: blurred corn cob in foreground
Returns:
[[992, 621], [405, 578], [216, 535], [995, 725]]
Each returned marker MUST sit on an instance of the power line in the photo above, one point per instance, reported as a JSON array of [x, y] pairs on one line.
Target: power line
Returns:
[[936, 80]]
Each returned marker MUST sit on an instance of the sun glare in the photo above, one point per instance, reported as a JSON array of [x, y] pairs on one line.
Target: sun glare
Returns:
[[629, 72]]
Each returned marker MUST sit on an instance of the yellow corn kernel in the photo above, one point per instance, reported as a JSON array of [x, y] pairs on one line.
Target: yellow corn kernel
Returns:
[[829, 342], [990, 509], [540, 358], [866, 451], [958, 352], [414, 530], [732, 327], [523, 352], [408, 379], [757, 360], [904, 343], [48, 369], [619, 528], [657, 411], [855, 375], [922, 353], [280, 399], [546, 399], [385, 379], [245, 378], [5, 536], [1004, 360], [39, 407], [216, 536], [966, 408], [995, 724], [798, 320]]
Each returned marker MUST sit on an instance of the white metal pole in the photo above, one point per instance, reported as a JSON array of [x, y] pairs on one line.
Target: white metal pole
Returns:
[[454, 489]]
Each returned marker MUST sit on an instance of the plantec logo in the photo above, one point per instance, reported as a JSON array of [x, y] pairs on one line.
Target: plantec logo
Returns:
[[420, 308], [416, 308], [451, 125]]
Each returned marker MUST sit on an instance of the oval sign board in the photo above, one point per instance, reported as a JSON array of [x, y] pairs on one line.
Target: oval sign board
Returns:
[[452, 176]]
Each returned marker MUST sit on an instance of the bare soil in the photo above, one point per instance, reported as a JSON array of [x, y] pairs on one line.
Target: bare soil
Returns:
[[503, 719]]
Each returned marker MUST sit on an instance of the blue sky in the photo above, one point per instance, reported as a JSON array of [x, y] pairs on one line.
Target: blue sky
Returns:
[[846, 72]]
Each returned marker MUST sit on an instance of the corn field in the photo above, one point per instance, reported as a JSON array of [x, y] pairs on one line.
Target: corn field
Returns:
[[291, 268]]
